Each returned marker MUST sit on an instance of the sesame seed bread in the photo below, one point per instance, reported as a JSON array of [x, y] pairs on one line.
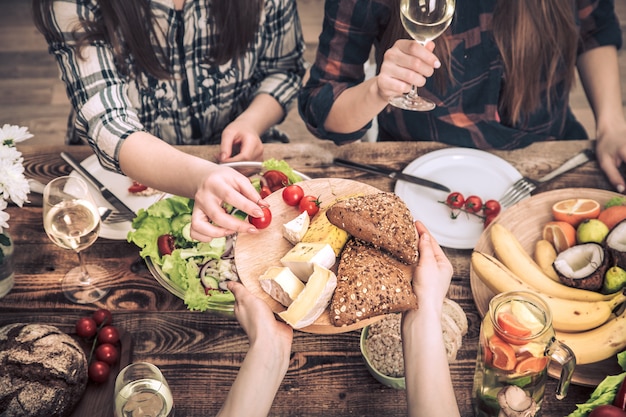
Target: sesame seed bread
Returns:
[[43, 371], [370, 282], [381, 219]]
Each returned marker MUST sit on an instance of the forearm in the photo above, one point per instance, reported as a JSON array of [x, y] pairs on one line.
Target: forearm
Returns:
[[257, 382], [155, 163], [355, 108], [599, 74], [427, 374], [262, 113]]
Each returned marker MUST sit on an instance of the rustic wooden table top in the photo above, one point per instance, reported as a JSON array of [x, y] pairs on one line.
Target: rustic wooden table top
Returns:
[[200, 353]]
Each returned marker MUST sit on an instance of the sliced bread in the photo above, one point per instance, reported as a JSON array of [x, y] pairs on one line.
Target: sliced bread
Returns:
[[370, 282], [381, 219]]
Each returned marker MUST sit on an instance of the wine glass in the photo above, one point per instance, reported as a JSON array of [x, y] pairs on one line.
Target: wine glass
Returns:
[[72, 221], [424, 20], [142, 391]]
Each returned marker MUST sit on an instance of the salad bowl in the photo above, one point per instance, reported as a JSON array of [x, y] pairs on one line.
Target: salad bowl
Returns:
[[192, 290]]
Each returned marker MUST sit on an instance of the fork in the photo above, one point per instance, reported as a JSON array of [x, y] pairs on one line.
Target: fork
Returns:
[[107, 215], [523, 187]]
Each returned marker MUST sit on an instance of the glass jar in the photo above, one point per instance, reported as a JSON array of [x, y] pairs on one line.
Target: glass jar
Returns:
[[7, 275]]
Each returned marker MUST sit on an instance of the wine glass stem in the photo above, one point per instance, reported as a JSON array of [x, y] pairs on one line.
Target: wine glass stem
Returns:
[[84, 273]]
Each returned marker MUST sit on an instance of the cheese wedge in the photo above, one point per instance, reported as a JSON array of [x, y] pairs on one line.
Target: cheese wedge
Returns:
[[322, 230], [301, 258], [281, 284], [313, 300], [295, 229]]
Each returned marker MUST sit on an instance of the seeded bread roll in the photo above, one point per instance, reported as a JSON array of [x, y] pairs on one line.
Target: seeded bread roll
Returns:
[[369, 283], [43, 371], [381, 219]]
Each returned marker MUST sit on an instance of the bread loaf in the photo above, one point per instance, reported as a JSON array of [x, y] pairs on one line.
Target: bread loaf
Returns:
[[381, 219], [43, 371], [370, 282]]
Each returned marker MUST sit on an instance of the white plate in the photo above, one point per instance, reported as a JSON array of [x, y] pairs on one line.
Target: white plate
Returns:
[[118, 184], [468, 171]]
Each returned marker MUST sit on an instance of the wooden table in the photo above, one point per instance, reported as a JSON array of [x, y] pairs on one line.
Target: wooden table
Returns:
[[200, 353]]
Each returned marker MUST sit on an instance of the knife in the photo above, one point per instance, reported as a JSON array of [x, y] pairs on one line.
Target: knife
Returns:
[[106, 193], [394, 175]]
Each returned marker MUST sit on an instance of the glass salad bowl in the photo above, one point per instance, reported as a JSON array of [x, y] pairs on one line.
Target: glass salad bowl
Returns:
[[212, 273]]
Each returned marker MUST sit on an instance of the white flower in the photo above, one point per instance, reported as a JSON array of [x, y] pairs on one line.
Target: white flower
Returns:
[[13, 184]]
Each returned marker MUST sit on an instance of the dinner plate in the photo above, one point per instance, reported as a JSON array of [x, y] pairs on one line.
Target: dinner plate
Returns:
[[255, 253], [468, 171], [525, 220], [118, 184]]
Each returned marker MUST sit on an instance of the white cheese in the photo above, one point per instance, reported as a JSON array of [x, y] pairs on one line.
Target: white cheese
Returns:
[[295, 229], [281, 284], [313, 300], [301, 258]]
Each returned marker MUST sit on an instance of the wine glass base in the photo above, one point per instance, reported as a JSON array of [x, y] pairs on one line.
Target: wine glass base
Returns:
[[415, 104], [80, 292]]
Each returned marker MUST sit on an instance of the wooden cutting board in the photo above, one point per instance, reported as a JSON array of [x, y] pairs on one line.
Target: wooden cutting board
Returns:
[[254, 254]]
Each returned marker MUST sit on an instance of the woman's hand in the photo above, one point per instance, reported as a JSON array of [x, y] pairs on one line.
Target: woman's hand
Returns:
[[432, 275], [611, 154], [405, 64], [240, 142], [223, 185]]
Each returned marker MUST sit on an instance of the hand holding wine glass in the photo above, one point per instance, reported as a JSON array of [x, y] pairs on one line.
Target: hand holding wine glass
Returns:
[[72, 221], [424, 20]]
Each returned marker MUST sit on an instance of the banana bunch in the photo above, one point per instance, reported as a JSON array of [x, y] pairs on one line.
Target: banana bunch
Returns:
[[583, 320]]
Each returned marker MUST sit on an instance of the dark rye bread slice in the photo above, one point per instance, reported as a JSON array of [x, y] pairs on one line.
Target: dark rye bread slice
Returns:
[[370, 283], [381, 219]]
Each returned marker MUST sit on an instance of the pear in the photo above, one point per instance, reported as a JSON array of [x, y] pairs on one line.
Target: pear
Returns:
[[591, 230], [614, 280]]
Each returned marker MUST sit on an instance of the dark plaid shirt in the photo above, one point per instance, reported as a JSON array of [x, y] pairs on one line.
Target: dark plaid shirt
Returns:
[[467, 115], [194, 106]]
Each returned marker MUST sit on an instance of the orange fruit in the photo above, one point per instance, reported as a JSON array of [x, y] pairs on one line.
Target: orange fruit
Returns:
[[503, 354], [561, 234], [575, 210], [512, 330], [531, 364], [612, 215]]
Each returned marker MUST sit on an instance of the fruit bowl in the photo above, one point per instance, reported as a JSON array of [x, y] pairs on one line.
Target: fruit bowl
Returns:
[[526, 220]]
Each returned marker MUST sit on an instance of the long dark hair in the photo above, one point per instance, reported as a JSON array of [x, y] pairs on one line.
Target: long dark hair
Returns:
[[127, 26], [538, 41]]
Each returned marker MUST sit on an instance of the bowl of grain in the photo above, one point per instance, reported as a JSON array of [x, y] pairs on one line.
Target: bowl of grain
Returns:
[[381, 347]]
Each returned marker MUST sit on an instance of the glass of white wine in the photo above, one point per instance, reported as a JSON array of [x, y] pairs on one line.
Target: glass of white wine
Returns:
[[142, 391], [72, 221], [424, 20]]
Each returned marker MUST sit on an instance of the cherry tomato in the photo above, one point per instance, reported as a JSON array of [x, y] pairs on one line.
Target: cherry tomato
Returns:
[[108, 353], [488, 219], [165, 244], [292, 194], [473, 204], [310, 204], [86, 327], [491, 208], [263, 221], [102, 315], [275, 180], [455, 200], [109, 334], [265, 191], [607, 410], [137, 187], [99, 371]]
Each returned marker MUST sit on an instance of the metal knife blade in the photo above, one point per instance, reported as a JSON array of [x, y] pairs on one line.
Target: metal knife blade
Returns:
[[106, 193], [395, 175]]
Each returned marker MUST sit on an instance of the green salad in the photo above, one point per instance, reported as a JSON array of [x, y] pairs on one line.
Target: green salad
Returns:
[[199, 269]]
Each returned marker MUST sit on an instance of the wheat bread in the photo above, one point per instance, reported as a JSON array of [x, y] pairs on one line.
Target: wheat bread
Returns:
[[381, 219], [370, 282]]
